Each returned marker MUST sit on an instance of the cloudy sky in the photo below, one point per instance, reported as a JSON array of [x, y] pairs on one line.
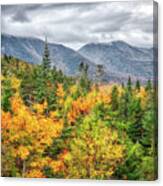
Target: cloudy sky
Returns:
[[77, 24]]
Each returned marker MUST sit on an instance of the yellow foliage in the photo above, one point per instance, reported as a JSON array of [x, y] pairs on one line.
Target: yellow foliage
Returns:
[[25, 132], [73, 89], [83, 105], [34, 173], [57, 166], [15, 83], [40, 107], [22, 152], [95, 152], [142, 94], [60, 91]]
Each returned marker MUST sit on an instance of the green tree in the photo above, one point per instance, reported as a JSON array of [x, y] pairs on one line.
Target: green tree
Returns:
[[46, 57], [122, 85], [124, 105], [114, 98], [137, 86], [7, 92], [84, 81], [99, 72], [148, 85], [135, 130], [81, 67], [129, 84]]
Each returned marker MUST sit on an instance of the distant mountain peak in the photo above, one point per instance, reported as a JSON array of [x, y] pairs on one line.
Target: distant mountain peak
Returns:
[[107, 44], [119, 42], [119, 58]]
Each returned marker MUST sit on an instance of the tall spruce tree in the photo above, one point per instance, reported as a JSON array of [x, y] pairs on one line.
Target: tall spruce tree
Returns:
[[7, 92], [46, 57], [99, 72], [129, 84], [137, 85], [122, 85], [81, 67], [148, 85], [135, 130], [124, 103], [84, 80], [114, 98]]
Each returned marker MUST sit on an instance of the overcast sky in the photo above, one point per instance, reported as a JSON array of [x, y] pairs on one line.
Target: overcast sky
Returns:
[[77, 24]]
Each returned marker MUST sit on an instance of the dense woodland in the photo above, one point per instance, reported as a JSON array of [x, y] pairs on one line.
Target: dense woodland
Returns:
[[55, 126]]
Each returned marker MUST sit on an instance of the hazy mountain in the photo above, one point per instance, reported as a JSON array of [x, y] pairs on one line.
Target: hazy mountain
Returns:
[[31, 50], [119, 59]]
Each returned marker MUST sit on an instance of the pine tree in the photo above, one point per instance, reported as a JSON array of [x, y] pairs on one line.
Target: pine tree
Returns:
[[114, 98], [124, 103], [86, 67], [81, 67], [129, 84], [84, 80], [149, 85], [149, 117], [137, 86], [42, 75], [46, 57], [5, 57], [7, 92], [122, 85], [99, 72], [135, 130]]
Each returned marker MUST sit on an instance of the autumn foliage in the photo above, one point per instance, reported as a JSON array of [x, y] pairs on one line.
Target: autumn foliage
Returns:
[[62, 129]]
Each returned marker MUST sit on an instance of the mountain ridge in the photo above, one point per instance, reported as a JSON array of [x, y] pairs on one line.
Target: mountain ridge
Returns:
[[120, 59]]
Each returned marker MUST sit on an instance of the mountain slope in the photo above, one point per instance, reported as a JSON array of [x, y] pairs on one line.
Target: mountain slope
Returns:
[[31, 50], [121, 58]]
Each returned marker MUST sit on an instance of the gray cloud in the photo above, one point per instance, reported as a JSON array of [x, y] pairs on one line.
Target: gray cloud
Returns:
[[21, 17], [76, 24], [109, 26]]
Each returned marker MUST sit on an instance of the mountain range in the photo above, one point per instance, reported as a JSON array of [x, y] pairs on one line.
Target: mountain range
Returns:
[[119, 59]]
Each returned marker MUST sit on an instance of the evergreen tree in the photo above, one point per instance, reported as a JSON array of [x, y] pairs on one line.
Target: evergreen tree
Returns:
[[40, 84], [84, 80], [46, 57], [129, 84], [149, 119], [122, 85], [124, 103], [17, 63], [86, 69], [81, 67], [114, 98], [5, 57], [99, 72], [7, 92], [135, 130], [42, 75], [148, 85], [137, 86]]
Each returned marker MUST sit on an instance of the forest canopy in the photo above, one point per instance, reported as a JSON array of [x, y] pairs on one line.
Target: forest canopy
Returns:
[[54, 126]]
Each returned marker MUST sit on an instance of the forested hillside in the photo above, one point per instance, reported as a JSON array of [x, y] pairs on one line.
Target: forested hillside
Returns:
[[54, 126]]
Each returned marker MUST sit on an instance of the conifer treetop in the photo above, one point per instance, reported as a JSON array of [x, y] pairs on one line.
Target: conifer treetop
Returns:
[[46, 56]]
